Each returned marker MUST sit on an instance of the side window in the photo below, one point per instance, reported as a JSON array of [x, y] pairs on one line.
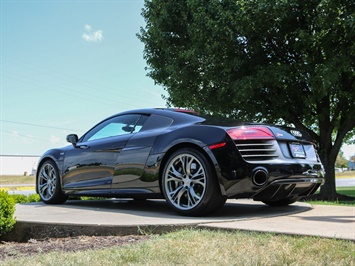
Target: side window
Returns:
[[115, 126], [140, 123], [157, 121]]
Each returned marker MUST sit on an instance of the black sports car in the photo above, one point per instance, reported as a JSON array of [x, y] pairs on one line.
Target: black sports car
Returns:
[[192, 161]]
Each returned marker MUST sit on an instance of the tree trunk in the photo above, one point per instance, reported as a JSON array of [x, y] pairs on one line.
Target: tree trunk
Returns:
[[328, 190]]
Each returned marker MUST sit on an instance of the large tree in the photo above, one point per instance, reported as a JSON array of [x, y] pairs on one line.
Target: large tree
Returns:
[[279, 61]]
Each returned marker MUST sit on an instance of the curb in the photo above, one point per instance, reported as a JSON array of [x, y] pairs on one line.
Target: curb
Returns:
[[24, 231]]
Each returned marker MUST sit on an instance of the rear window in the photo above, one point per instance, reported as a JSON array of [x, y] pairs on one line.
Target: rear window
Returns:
[[220, 121]]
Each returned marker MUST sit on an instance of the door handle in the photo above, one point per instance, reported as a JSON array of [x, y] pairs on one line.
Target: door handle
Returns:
[[83, 147]]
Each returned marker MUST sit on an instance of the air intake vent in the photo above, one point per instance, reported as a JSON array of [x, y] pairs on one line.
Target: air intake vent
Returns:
[[257, 150]]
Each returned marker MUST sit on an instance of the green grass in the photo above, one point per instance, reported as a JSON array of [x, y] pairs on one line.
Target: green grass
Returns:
[[14, 179], [348, 191], [332, 203], [204, 247]]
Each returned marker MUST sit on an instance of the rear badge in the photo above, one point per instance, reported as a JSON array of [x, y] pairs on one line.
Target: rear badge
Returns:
[[296, 133]]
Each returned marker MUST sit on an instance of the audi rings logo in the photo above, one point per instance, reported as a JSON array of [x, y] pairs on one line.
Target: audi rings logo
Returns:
[[296, 133]]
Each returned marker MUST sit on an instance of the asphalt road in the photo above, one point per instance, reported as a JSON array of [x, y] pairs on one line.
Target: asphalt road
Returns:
[[345, 182]]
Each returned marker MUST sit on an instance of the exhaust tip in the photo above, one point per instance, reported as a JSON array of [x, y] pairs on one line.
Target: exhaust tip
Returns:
[[260, 176]]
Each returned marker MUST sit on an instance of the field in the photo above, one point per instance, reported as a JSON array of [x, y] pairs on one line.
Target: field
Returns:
[[14, 179]]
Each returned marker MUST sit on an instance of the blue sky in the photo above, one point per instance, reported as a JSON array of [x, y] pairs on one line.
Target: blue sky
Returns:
[[66, 65]]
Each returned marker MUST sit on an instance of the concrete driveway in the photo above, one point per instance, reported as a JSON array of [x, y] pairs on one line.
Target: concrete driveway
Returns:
[[123, 217]]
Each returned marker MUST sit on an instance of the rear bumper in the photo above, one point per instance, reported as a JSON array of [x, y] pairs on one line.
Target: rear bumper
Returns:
[[265, 180], [289, 188]]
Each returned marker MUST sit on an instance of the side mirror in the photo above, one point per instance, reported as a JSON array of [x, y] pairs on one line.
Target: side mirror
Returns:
[[73, 139]]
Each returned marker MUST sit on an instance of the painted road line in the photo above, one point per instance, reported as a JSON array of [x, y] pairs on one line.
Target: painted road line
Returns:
[[25, 188], [16, 188]]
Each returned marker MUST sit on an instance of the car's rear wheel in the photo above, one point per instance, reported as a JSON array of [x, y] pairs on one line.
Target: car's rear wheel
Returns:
[[281, 202], [48, 184], [189, 185]]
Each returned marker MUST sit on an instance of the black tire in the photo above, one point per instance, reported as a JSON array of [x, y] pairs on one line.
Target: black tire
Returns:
[[189, 185], [281, 202], [48, 184]]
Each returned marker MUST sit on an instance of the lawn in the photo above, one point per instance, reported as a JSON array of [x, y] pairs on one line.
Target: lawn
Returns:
[[349, 191], [204, 247]]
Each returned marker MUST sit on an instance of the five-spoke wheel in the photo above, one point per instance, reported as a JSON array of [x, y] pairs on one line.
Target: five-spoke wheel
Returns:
[[48, 184], [189, 185]]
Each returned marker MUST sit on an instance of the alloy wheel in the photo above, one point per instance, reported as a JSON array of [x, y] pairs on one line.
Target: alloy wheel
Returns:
[[47, 181], [185, 181]]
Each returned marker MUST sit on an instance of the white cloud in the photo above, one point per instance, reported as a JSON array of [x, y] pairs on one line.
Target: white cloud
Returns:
[[91, 35], [87, 27]]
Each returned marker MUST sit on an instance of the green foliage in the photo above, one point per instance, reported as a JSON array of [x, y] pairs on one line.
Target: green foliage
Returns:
[[7, 210], [33, 198], [18, 198], [260, 59], [341, 162], [276, 61]]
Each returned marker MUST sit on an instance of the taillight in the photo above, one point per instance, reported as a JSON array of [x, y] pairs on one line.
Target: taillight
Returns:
[[252, 132]]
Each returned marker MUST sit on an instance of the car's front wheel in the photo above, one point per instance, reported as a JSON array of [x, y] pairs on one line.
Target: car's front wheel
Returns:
[[189, 184], [48, 184]]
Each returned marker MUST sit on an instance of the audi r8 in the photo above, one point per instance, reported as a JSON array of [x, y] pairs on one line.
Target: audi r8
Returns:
[[194, 162]]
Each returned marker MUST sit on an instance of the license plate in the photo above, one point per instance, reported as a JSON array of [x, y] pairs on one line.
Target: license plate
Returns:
[[297, 150]]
